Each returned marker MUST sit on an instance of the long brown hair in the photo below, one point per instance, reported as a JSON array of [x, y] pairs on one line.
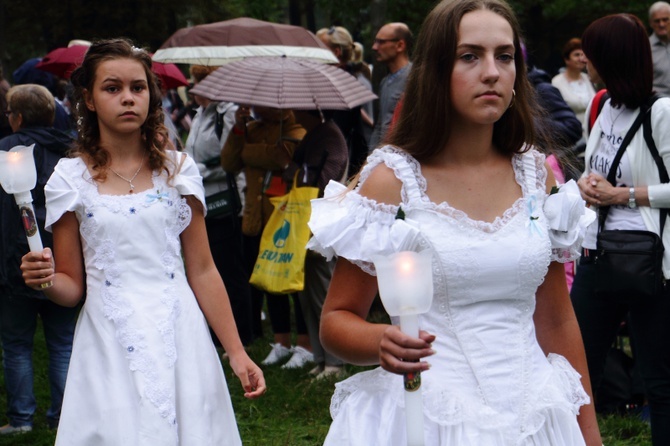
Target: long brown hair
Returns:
[[424, 124], [154, 132]]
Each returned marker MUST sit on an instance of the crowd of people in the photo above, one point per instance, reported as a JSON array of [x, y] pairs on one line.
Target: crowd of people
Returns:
[[152, 206]]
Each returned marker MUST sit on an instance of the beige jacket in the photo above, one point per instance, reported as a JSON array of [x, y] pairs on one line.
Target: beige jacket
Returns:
[[256, 153]]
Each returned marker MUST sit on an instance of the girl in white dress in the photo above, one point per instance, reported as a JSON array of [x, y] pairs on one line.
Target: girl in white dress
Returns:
[[127, 217], [500, 349]]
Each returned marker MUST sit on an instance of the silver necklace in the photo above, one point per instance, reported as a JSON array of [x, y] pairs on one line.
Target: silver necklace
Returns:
[[613, 120], [129, 181]]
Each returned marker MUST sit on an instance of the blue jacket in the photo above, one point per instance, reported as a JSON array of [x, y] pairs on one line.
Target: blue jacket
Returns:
[[562, 124]]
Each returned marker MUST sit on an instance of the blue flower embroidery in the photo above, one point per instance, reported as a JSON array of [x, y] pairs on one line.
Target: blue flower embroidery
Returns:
[[89, 215], [133, 210]]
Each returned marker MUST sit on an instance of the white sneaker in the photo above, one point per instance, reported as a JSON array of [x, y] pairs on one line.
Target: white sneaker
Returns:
[[330, 371], [301, 356], [8, 429], [316, 370], [277, 353]]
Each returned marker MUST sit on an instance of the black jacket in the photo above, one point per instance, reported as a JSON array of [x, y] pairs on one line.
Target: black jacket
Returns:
[[561, 124], [50, 146]]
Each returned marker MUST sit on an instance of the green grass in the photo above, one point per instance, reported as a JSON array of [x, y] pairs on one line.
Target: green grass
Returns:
[[294, 411]]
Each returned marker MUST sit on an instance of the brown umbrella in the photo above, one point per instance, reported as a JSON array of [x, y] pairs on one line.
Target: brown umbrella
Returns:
[[218, 43], [280, 82]]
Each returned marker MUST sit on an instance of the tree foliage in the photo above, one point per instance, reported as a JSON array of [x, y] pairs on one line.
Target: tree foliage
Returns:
[[30, 28]]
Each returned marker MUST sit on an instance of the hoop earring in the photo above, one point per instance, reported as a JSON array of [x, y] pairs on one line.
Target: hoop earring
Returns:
[[511, 104]]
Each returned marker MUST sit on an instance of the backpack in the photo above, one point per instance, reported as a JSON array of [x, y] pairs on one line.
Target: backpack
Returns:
[[597, 105]]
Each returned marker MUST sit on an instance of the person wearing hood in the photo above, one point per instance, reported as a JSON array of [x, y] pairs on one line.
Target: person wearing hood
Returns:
[[31, 112]]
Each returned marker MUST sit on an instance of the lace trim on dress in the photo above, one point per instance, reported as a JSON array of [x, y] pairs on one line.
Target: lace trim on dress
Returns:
[[405, 167], [408, 170], [117, 308], [448, 407]]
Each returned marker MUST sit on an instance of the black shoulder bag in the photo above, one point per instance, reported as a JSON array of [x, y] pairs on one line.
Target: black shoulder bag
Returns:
[[628, 263]]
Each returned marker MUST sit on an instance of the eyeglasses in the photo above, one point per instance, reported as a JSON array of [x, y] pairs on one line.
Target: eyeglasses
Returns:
[[383, 41]]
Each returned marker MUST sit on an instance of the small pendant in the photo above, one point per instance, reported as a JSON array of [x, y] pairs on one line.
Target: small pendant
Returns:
[[132, 188]]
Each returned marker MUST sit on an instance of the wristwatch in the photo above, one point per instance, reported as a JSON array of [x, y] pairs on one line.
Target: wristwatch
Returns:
[[631, 198]]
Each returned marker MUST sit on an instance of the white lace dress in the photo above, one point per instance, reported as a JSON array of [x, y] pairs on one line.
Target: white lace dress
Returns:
[[490, 383], [144, 370]]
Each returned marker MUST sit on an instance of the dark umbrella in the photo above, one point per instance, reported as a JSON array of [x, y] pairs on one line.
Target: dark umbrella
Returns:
[[218, 43], [27, 73]]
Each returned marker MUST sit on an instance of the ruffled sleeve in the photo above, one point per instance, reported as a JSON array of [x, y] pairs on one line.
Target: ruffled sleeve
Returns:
[[348, 225], [61, 191], [188, 180], [567, 218]]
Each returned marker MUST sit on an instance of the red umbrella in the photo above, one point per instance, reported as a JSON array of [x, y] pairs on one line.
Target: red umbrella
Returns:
[[63, 61], [169, 74]]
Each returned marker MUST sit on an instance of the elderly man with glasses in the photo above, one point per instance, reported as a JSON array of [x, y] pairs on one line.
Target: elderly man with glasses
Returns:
[[392, 46]]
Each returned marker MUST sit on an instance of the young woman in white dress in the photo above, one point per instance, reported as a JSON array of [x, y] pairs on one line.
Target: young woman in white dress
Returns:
[[127, 217], [499, 351]]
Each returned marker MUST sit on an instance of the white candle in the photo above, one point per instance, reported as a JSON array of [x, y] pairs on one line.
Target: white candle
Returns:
[[406, 289], [18, 176]]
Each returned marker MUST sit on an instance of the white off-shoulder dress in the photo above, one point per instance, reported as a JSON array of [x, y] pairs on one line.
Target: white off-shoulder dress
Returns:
[[144, 371], [490, 383]]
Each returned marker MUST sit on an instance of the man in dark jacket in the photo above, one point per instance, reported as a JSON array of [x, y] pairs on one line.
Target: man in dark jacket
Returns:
[[31, 112], [561, 123], [561, 131]]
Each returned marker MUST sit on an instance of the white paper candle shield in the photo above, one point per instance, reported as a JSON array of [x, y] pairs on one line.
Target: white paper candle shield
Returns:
[[405, 282], [17, 170]]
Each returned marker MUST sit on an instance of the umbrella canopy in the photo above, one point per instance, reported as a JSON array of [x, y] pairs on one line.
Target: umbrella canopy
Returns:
[[63, 61], [281, 82], [28, 74], [218, 43], [169, 74]]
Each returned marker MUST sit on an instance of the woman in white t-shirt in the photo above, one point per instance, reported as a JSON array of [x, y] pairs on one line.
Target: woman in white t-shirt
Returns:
[[619, 54]]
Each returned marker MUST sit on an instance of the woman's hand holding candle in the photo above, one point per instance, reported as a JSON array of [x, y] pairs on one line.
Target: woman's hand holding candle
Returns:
[[401, 354]]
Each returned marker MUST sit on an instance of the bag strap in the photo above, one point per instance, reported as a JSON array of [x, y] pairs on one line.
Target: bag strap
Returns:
[[643, 120]]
